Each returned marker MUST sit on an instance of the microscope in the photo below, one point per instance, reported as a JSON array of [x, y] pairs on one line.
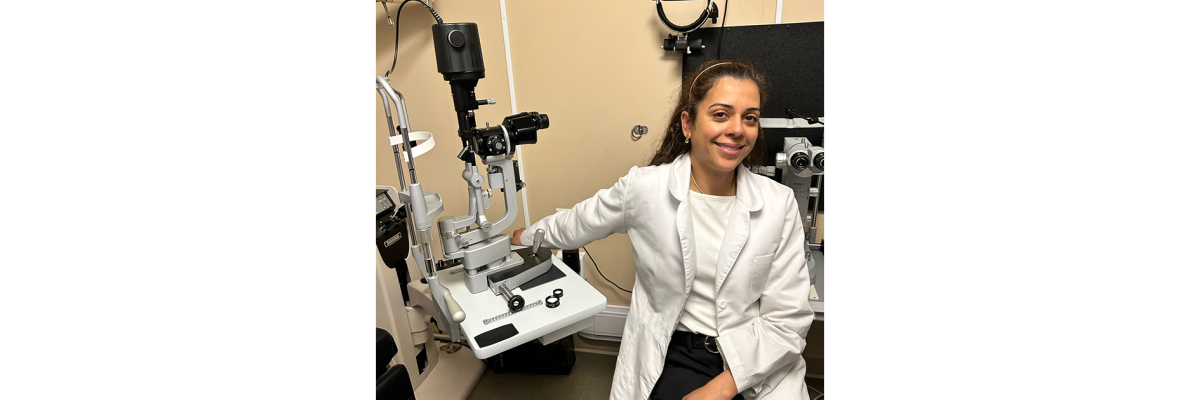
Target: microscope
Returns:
[[800, 161], [476, 289], [471, 240]]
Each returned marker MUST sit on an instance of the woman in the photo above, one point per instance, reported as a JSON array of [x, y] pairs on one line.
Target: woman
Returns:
[[719, 307]]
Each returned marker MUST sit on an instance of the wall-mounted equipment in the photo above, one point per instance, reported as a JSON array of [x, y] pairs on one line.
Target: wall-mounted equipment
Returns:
[[638, 132], [680, 42]]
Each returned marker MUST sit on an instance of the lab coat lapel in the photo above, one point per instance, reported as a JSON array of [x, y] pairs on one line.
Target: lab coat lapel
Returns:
[[678, 185], [736, 233], [683, 222], [738, 228]]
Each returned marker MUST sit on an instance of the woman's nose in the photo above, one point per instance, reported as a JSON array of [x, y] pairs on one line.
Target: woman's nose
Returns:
[[737, 129]]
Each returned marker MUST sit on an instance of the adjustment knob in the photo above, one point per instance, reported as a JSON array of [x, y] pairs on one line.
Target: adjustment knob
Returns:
[[537, 240], [516, 303], [493, 145], [457, 38]]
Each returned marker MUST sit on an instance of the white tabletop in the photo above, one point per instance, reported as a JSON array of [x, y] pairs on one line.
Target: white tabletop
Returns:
[[486, 311]]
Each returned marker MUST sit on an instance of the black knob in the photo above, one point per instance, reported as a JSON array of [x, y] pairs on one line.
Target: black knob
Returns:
[[457, 38], [516, 303]]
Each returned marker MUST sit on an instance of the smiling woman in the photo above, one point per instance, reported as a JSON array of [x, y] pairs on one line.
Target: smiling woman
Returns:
[[725, 123], [720, 303], [722, 106]]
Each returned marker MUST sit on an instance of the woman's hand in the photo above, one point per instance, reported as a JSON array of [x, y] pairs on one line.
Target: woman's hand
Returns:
[[722, 387], [516, 237]]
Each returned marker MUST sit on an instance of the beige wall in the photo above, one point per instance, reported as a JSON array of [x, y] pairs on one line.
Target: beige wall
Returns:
[[594, 67]]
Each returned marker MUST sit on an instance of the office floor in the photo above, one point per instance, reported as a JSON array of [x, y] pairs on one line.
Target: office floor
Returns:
[[590, 379]]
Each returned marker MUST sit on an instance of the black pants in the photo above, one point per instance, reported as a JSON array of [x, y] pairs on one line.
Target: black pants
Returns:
[[688, 367]]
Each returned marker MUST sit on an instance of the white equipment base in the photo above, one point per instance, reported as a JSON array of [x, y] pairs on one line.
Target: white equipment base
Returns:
[[580, 301], [453, 378]]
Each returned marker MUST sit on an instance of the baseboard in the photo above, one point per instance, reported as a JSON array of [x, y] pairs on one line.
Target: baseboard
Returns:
[[608, 324], [593, 351]]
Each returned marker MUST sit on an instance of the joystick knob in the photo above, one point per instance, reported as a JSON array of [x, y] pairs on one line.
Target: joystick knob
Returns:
[[516, 303], [537, 240]]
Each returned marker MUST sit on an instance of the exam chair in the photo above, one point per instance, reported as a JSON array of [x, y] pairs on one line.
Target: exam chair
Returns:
[[390, 383]]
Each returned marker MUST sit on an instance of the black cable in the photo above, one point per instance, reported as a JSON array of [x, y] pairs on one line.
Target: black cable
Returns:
[[431, 11], [662, 16], [601, 272], [721, 33], [396, 47]]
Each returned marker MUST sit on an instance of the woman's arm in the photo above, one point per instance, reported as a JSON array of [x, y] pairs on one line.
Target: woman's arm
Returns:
[[720, 388], [776, 338], [595, 218]]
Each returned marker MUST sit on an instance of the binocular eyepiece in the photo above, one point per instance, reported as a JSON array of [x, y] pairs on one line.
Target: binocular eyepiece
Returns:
[[799, 159], [812, 157], [800, 156], [515, 130]]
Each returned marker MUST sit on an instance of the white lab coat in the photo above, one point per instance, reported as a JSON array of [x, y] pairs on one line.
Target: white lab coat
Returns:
[[762, 281]]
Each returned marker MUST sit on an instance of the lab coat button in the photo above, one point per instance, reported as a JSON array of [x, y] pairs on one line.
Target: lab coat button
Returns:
[[722, 304]]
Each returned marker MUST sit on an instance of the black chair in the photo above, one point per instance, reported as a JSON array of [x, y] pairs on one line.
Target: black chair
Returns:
[[390, 383]]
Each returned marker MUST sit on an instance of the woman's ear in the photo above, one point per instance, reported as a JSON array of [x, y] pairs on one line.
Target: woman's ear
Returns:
[[687, 127]]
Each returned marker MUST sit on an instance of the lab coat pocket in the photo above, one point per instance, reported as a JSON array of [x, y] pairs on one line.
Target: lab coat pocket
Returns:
[[760, 268]]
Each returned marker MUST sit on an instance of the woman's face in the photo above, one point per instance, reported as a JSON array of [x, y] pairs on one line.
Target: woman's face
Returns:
[[726, 125]]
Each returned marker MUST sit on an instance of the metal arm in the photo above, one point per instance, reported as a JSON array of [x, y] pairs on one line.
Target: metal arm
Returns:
[[420, 216]]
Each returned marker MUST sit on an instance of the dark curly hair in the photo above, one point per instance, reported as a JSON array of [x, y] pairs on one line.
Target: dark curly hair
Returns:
[[671, 144]]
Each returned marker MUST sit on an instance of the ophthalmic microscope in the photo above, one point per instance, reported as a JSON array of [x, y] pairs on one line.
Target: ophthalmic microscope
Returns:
[[471, 240], [800, 161], [478, 268]]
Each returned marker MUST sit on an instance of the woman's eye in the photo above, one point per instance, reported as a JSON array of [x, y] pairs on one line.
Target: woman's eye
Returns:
[[720, 115], [751, 119]]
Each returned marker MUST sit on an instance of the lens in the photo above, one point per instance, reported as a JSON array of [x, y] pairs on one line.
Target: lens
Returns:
[[523, 127], [799, 160]]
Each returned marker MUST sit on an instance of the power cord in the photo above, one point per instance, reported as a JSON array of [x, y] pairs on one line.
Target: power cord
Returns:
[[721, 33], [396, 46], [602, 272]]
